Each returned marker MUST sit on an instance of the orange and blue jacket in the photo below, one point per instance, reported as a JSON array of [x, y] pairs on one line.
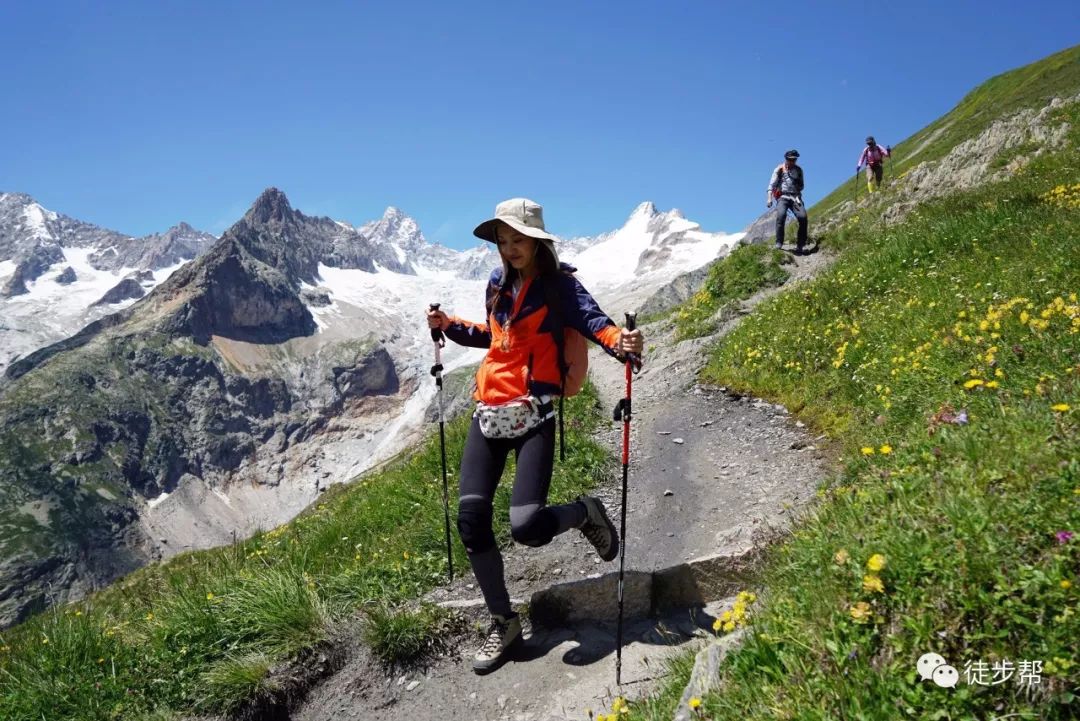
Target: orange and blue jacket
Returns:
[[522, 357]]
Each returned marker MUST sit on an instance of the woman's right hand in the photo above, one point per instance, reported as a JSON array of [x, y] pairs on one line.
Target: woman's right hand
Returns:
[[437, 319]]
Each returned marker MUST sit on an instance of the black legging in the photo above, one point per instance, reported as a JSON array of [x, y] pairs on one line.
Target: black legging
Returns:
[[532, 521]]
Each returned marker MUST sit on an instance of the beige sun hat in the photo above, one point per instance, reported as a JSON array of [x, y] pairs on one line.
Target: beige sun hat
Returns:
[[521, 214]]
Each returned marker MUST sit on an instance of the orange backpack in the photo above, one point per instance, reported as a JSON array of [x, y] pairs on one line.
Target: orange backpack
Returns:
[[573, 356], [572, 348]]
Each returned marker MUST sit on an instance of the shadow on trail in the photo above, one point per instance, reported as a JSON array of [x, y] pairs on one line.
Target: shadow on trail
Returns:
[[596, 641]]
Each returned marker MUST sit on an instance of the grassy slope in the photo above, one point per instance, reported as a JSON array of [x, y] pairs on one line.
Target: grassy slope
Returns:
[[1031, 86], [971, 304], [202, 631]]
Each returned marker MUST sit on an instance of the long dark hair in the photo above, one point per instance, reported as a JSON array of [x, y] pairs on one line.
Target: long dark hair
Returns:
[[547, 271]]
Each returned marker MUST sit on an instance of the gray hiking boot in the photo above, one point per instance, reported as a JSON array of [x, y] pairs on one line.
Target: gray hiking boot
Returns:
[[503, 634], [599, 529]]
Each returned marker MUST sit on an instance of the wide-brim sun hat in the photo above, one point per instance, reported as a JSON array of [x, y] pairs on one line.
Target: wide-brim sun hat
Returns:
[[523, 215]]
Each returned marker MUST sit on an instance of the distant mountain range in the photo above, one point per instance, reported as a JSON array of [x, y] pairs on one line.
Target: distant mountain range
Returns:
[[288, 354]]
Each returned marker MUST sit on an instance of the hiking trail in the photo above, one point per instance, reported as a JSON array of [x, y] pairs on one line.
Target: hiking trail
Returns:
[[713, 476]]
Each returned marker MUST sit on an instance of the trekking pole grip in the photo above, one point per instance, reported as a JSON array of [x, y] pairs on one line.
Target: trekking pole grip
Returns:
[[436, 333], [633, 358]]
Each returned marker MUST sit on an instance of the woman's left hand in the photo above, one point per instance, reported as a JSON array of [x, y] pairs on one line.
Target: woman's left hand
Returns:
[[631, 341]]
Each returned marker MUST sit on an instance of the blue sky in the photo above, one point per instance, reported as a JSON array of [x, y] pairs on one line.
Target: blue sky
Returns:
[[136, 115]]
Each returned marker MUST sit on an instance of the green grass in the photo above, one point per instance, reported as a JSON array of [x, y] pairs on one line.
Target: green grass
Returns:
[[742, 273], [661, 706], [197, 633], [970, 304], [401, 636], [233, 680]]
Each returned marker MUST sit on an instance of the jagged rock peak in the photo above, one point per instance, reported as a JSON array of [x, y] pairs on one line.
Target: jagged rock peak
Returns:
[[16, 198], [644, 210], [395, 226], [271, 205]]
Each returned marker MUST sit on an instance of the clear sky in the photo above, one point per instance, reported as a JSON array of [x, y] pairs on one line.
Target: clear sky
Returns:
[[136, 115]]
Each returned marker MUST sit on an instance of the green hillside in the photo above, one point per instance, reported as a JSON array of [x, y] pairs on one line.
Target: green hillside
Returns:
[[943, 354], [202, 632]]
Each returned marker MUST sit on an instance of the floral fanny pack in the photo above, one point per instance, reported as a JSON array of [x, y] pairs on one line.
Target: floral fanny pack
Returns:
[[514, 418]]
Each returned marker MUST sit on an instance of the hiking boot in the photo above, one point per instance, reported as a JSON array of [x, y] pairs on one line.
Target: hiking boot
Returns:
[[503, 634], [599, 529]]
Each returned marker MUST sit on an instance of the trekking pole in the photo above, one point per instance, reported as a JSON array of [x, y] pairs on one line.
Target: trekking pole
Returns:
[[436, 370], [856, 188], [622, 412]]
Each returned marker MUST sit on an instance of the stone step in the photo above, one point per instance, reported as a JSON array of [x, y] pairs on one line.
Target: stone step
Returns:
[[704, 675]]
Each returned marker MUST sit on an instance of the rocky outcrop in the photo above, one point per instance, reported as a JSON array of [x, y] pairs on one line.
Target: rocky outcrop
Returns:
[[676, 292], [67, 277], [232, 294], [374, 375], [127, 289], [31, 266]]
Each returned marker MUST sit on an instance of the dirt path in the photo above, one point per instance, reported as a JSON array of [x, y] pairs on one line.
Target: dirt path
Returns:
[[710, 473]]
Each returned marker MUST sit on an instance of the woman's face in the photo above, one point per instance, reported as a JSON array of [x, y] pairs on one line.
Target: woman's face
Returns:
[[516, 248]]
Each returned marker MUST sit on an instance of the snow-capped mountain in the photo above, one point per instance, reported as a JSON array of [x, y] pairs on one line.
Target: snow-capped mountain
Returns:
[[652, 247], [57, 274], [428, 259]]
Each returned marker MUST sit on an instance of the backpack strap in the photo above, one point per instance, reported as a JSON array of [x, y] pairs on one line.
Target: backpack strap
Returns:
[[558, 328]]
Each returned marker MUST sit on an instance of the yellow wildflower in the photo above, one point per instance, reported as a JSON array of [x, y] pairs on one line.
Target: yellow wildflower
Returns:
[[873, 583], [876, 562], [1060, 407], [972, 383], [1066, 584], [867, 451], [209, 596], [716, 625], [860, 612], [885, 449], [694, 703]]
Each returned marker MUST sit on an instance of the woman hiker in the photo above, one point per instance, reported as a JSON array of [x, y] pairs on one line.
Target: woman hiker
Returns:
[[873, 157], [515, 385]]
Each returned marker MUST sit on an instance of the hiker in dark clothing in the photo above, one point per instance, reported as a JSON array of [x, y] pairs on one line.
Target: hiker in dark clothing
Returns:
[[873, 157], [785, 187]]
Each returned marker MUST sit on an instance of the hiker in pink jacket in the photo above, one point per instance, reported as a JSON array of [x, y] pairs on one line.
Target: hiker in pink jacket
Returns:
[[873, 157]]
